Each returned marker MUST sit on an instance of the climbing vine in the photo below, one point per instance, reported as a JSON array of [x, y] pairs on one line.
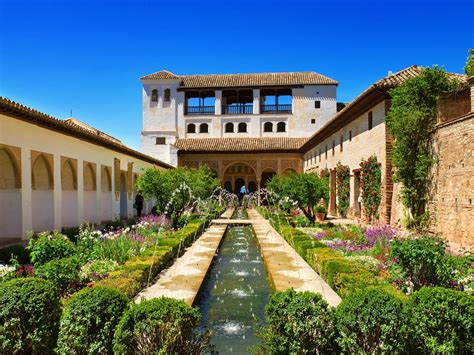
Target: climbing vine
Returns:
[[342, 188], [371, 183]]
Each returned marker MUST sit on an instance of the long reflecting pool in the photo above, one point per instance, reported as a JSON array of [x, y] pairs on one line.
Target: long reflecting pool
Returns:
[[233, 297]]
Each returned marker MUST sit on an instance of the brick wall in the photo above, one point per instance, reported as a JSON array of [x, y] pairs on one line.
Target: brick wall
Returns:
[[452, 203]]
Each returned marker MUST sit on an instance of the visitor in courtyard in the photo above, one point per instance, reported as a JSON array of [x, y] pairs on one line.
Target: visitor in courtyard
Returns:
[[243, 192], [138, 204]]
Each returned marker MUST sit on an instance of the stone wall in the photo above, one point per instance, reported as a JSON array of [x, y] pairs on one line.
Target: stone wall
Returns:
[[452, 203]]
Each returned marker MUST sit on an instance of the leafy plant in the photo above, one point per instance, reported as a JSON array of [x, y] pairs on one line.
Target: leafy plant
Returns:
[[49, 246], [61, 272], [306, 190], [320, 209], [160, 326], [411, 120], [298, 323], [18, 252], [441, 321], [371, 183], [29, 316], [97, 270], [120, 248], [371, 321], [89, 320], [343, 190]]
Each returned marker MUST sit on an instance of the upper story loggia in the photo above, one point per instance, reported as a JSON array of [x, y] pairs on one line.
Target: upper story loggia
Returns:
[[237, 94]]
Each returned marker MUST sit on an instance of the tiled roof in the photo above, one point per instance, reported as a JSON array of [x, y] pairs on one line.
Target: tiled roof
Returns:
[[72, 128], [239, 144], [350, 111], [245, 80]]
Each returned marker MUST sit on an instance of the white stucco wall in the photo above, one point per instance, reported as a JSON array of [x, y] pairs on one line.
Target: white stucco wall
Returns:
[[47, 209]]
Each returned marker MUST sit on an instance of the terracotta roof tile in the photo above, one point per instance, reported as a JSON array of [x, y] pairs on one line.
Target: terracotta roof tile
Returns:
[[72, 128], [245, 80], [239, 144]]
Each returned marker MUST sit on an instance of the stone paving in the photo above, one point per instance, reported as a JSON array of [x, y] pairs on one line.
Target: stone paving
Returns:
[[286, 267]]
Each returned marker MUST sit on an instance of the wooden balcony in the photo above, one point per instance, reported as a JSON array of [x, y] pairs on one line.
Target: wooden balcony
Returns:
[[276, 108], [199, 110], [240, 109]]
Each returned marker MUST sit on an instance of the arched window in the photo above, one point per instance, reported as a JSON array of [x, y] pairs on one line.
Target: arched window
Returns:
[[154, 95], [167, 95], [281, 127], [191, 128], [229, 127], [204, 128], [242, 127], [268, 127]]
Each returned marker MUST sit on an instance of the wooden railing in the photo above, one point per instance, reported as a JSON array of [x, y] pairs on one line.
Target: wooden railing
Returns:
[[241, 109], [276, 108], [199, 110]]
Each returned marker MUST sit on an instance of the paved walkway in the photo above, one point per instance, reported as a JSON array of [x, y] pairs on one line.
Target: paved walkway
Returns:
[[286, 267], [184, 278]]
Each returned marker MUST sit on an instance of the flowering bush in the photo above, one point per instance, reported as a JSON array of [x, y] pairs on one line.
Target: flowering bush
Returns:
[[370, 183], [97, 270], [343, 190], [48, 246]]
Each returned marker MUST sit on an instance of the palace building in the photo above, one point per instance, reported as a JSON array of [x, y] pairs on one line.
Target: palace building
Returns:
[[249, 127]]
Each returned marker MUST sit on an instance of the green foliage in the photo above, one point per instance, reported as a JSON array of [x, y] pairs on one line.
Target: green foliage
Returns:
[[441, 321], [89, 320], [320, 209], [371, 322], [29, 316], [46, 247], [61, 272], [305, 190], [175, 190], [298, 323], [411, 120], [342, 186], [96, 270], [371, 184], [19, 253], [300, 221], [469, 68], [160, 326], [119, 249], [420, 258]]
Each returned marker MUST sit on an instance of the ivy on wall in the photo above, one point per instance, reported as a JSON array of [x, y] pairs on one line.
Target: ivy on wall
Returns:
[[342, 188], [371, 184]]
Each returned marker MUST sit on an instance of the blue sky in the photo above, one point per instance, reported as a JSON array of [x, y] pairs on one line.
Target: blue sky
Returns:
[[88, 55]]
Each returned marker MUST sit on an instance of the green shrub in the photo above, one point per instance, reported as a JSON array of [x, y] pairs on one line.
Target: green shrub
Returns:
[[160, 326], [29, 316], [297, 322], [17, 252], [46, 247], [371, 321], [441, 321], [61, 272], [96, 270], [119, 249], [89, 320]]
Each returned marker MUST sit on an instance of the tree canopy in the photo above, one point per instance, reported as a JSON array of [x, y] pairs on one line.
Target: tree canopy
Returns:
[[305, 190]]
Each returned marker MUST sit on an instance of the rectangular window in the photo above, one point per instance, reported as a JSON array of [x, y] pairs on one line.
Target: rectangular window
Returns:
[[341, 143], [370, 121], [160, 140], [313, 121], [333, 147], [317, 104], [350, 136], [326, 153], [320, 154]]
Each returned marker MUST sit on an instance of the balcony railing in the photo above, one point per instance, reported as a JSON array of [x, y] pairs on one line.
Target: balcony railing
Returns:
[[242, 109], [199, 110], [276, 108]]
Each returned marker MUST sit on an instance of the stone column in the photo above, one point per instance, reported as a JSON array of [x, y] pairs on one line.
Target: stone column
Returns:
[[26, 206], [80, 191], [98, 193], [256, 101], [57, 193], [258, 194], [218, 102]]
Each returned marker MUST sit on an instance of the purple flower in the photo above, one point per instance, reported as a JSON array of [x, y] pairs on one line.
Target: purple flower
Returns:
[[320, 235]]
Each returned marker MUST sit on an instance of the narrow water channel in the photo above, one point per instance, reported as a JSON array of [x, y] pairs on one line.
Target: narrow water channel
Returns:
[[233, 298]]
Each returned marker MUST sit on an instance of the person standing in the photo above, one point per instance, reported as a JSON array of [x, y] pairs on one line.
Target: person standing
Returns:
[[243, 191], [139, 204]]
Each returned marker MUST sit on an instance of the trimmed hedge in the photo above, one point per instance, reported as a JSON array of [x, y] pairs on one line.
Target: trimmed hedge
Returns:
[[160, 326], [441, 320], [343, 275], [89, 320], [133, 275], [29, 316]]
